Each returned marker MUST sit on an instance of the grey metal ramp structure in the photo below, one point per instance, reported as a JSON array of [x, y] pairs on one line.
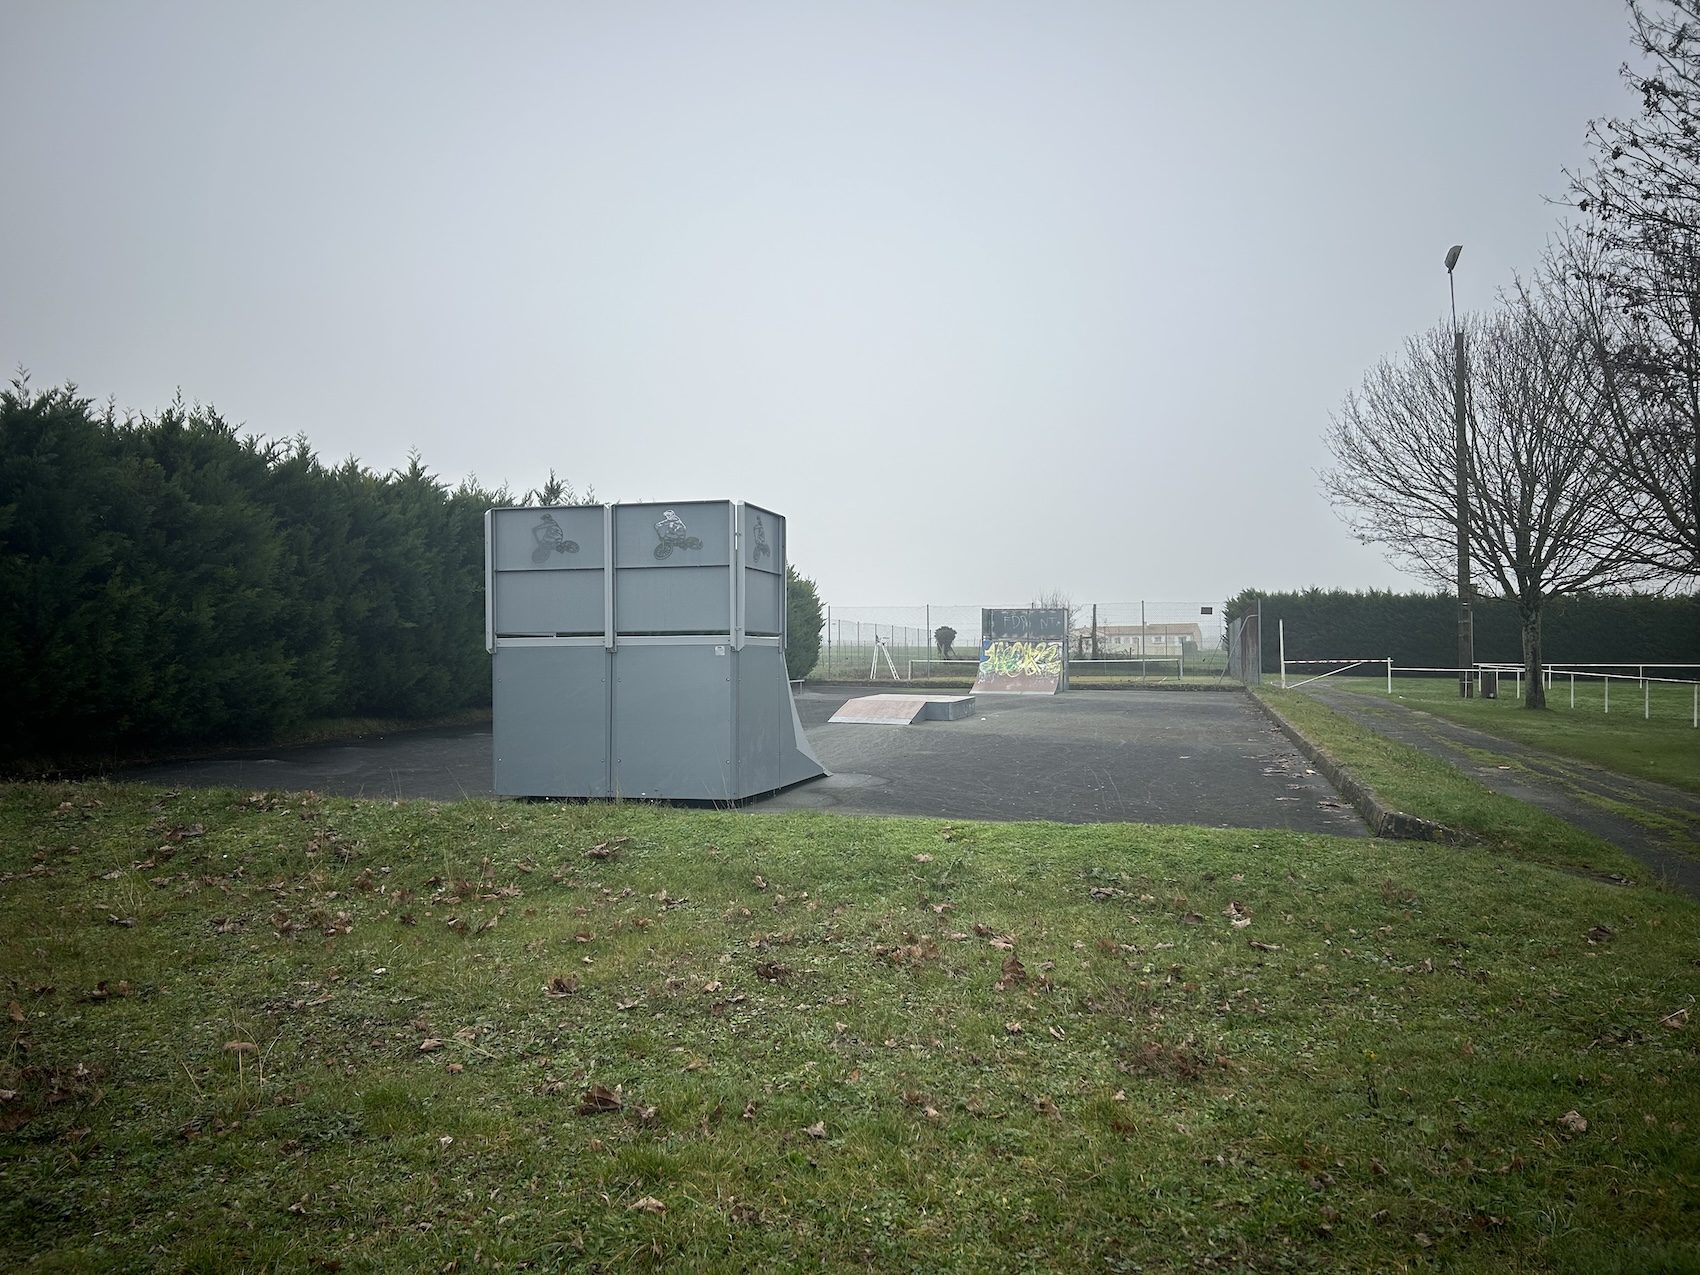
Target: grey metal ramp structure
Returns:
[[639, 651], [904, 710]]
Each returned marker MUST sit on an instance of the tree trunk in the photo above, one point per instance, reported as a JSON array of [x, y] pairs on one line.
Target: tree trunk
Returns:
[[1536, 695]]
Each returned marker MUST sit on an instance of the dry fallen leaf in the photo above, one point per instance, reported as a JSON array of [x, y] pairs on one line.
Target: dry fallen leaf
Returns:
[[749, 1111], [599, 1099], [241, 1047], [1571, 1122], [1045, 1107], [1423, 1240], [817, 1129], [1678, 1019], [1013, 1028], [649, 1204], [1055, 1031], [16, 1011], [560, 986], [454, 1069], [1013, 970], [430, 1045], [1262, 947], [923, 858]]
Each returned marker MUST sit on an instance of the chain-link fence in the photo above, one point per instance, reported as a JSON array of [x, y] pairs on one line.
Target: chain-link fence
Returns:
[[1151, 641]]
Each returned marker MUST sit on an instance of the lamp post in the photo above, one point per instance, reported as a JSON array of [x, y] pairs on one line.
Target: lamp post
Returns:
[[1466, 627]]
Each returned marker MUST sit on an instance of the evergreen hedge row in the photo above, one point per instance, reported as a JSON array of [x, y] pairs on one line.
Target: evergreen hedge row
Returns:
[[167, 582], [1421, 629]]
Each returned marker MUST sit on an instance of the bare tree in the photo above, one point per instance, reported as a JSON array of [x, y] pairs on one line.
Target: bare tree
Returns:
[[1057, 600], [1637, 275], [1541, 521], [1646, 353]]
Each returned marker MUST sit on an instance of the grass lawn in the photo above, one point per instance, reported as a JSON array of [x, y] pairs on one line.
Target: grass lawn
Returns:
[[298, 1034], [1664, 746], [1412, 781]]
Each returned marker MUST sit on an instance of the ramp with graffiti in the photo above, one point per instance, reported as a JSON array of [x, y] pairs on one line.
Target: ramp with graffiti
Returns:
[[1023, 651]]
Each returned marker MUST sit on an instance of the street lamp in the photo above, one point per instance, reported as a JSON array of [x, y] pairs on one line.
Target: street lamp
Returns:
[[1466, 628]]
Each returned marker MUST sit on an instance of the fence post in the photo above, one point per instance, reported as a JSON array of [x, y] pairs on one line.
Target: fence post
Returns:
[[1608, 692], [1281, 638], [1646, 700], [1390, 675]]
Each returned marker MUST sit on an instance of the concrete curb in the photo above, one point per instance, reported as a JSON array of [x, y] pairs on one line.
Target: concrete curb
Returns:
[[1383, 820]]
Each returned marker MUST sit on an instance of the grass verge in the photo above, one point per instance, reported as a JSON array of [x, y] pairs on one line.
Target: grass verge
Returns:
[[293, 1034], [1664, 747], [1410, 780]]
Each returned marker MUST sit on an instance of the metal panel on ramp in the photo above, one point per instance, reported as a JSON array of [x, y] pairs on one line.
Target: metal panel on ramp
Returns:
[[639, 651], [550, 716]]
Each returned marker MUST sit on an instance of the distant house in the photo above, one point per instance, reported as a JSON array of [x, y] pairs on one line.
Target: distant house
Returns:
[[1130, 641]]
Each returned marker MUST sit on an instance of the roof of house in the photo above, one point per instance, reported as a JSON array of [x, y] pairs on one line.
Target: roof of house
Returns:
[[1131, 630]]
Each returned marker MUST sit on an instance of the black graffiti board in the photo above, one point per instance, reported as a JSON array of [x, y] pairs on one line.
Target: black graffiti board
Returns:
[[1023, 624]]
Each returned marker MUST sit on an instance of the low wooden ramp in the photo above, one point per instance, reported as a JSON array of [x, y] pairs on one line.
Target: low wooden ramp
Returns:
[[905, 710]]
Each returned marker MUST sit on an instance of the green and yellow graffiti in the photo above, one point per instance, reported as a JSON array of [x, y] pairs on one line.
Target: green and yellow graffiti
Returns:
[[1021, 659]]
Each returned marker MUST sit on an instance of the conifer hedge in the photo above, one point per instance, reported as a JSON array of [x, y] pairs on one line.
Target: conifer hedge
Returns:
[[167, 581], [1420, 630]]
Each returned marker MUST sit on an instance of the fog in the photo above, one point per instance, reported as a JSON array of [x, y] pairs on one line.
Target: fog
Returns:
[[990, 299]]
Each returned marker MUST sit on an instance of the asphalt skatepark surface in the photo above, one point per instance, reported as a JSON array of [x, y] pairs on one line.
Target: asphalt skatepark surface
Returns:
[[1083, 757]]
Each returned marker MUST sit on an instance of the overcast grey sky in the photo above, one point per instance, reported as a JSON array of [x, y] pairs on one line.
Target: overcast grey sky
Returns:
[[990, 299]]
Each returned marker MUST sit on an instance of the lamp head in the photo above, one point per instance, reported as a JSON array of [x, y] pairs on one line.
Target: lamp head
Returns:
[[1452, 256]]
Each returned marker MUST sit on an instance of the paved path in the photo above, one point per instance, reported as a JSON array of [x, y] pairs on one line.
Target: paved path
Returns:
[[1084, 757], [1559, 785]]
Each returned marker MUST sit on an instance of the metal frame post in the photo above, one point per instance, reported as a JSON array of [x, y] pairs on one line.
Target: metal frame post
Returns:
[[1461, 441]]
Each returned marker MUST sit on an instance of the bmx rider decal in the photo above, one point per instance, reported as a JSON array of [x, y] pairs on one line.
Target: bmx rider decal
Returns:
[[550, 539], [762, 550], [674, 535]]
